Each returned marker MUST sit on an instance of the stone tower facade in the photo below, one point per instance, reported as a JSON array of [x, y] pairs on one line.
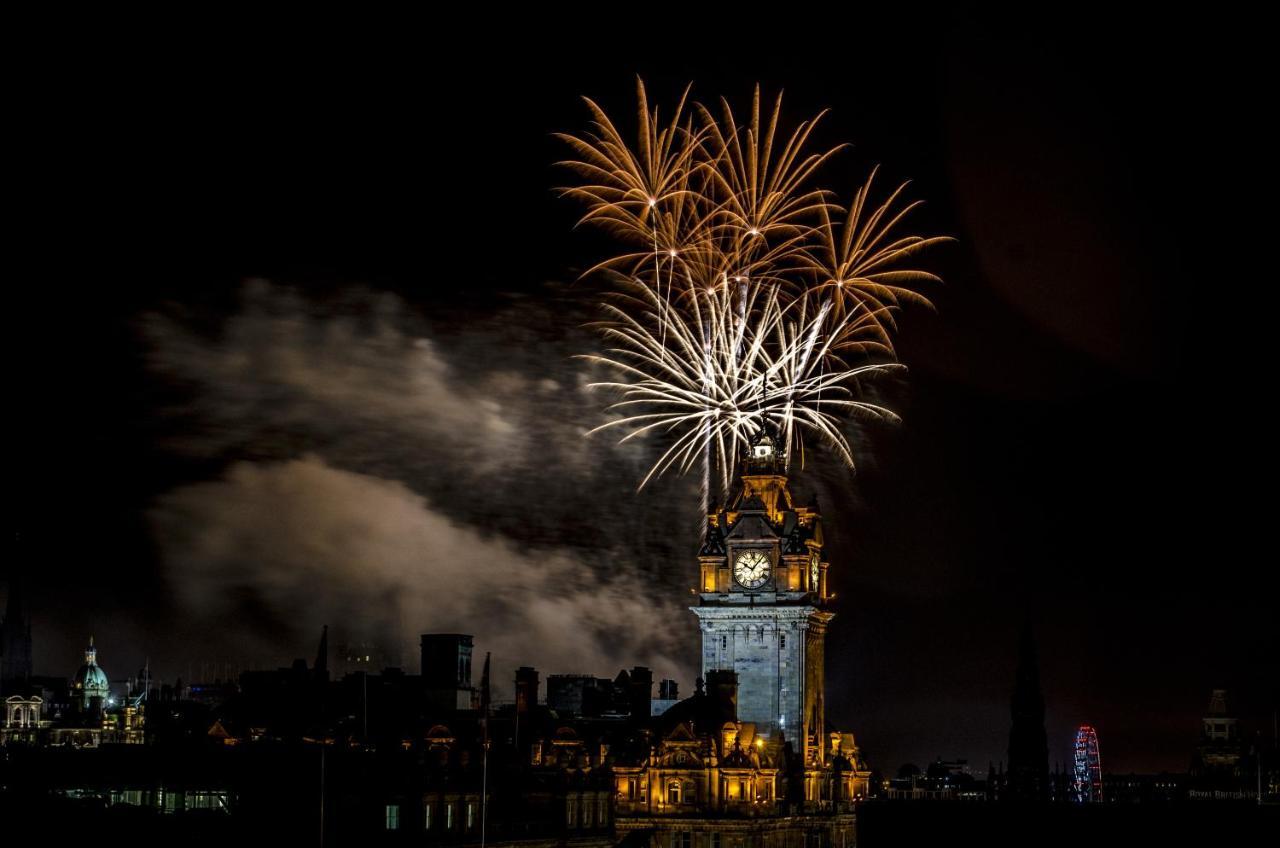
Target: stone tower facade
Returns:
[[762, 602]]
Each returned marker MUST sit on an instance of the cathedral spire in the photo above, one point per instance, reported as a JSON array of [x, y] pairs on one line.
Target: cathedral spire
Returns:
[[1028, 742], [321, 668], [15, 634]]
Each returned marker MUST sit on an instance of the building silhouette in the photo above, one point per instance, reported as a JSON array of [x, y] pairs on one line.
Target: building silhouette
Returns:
[[748, 759]]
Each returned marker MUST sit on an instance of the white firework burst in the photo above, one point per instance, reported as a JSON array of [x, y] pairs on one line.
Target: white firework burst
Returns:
[[709, 370]]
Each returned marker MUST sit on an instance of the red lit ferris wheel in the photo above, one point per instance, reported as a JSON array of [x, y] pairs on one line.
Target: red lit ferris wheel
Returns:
[[1088, 782]]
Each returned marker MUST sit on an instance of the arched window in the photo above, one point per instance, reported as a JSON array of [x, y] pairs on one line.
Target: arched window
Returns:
[[673, 792]]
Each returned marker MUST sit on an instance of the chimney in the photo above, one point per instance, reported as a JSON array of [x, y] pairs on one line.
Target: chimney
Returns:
[[526, 688], [640, 695], [722, 685]]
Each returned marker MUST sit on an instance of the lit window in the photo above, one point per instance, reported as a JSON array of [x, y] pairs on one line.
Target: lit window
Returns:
[[471, 815], [426, 817], [393, 817], [448, 816]]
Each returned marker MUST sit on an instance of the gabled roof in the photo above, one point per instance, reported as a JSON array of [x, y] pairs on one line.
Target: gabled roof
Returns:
[[752, 524], [682, 732]]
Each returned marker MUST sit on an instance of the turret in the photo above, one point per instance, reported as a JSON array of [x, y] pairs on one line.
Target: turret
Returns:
[[713, 565]]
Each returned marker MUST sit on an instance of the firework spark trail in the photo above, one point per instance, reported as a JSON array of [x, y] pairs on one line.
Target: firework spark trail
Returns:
[[864, 267], [719, 379], [763, 303], [723, 198]]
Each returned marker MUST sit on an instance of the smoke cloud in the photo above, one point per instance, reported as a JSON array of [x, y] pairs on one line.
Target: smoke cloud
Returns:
[[390, 474], [307, 543]]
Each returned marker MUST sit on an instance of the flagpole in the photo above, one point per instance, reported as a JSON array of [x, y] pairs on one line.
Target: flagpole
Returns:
[[484, 759], [484, 792]]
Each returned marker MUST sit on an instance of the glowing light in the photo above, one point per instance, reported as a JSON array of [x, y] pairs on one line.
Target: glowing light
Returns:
[[708, 380], [702, 363]]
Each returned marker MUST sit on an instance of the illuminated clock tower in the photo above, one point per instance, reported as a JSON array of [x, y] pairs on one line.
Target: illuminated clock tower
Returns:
[[762, 601]]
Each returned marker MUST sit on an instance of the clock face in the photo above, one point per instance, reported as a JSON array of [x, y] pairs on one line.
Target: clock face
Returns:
[[813, 572], [751, 569]]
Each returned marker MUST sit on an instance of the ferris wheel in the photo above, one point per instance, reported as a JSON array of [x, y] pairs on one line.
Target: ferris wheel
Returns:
[[1088, 778]]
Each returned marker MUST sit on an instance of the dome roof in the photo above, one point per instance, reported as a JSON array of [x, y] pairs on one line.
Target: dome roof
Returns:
[[91, 681], [91, 676]]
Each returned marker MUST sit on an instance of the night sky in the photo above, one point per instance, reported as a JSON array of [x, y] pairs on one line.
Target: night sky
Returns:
[[293, 319]]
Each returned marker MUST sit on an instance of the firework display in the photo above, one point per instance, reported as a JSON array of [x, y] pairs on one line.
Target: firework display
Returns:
[[745, 293]]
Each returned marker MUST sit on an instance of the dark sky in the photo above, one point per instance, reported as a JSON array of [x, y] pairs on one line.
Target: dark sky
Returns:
[[292, 323]]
